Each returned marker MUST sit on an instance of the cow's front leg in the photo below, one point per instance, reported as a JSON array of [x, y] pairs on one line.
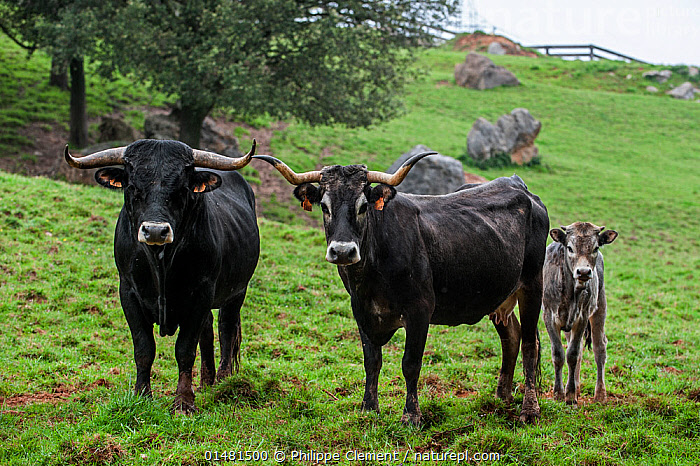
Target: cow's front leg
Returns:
[[574, 353], [185, 354], [416, 335], [558, 354], [373, 366], [142, 338], [599, 343]]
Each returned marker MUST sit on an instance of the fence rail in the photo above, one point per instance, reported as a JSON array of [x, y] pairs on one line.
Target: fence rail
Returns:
[[590, 54]]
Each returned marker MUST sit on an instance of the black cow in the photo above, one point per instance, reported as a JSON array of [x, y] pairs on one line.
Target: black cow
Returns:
[[411, 261], [186, 242]]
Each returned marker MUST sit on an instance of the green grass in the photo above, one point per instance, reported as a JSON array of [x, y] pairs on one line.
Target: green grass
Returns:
[[625, 160]]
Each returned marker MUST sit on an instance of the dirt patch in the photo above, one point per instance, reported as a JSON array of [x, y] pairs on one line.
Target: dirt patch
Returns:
[[478, 42], [434, 384], [58, 394]]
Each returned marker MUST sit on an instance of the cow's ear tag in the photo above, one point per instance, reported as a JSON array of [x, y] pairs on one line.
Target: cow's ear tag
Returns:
[[200, 188], [306, 204], [379, 204], [115, 183]]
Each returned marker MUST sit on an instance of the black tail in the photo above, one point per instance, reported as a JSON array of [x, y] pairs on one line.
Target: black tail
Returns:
[[587, 335]]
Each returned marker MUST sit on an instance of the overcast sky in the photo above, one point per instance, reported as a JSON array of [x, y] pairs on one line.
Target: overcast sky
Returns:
[[662, 32]]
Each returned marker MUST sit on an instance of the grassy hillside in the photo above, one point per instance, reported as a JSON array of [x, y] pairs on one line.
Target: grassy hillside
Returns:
[[623, 159]]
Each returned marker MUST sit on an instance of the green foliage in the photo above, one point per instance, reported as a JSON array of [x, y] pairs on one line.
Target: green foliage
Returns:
[[323, 64]]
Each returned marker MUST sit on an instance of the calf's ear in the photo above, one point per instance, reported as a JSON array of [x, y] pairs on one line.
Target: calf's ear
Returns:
[[205, 181], [607, 237], [380, 195], [558, 235], [111, 177], [307, 194]]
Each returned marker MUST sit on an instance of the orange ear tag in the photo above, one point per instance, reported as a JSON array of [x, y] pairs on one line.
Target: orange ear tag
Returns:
[[200, 188], [307, 204], [379, 205], [115, 183]]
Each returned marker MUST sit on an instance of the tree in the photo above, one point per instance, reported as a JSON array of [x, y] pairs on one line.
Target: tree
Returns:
[[66, 30], [323, 62]]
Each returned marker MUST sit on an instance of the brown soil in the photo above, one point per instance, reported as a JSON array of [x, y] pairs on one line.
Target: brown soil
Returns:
[[60, 393], [480, 43]]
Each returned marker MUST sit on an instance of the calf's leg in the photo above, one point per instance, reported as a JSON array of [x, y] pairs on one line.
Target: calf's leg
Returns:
[[574, 353], [558, 354], [599, 344]]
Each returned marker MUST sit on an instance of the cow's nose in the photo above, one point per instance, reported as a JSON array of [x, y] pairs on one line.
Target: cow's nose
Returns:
[[155, 233], [583, 273], [343, 253]]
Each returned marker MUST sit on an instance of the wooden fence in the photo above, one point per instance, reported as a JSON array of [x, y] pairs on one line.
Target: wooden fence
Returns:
[[591, 53]]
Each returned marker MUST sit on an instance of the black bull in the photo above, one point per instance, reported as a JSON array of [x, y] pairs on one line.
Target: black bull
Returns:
[[411, 261], [186, 241]]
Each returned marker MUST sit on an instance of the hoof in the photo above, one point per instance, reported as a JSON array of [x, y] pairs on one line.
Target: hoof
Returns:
[[529, 417], [181, 406], [370, 407], [571, 401], [600, 397], [206, 381], [222, 374], [559, 396], [411, 419]]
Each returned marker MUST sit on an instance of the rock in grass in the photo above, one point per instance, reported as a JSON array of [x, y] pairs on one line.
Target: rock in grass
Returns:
[[496, 49], [685, 91], [660, 76], [436, 174], [513, 134], [479, 72]]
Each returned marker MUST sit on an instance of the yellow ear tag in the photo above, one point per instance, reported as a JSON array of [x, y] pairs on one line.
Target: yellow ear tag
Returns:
[[306, 204], [379, 205]]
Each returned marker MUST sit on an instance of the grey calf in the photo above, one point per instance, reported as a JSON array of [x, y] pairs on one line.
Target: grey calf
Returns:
[[574, 298]]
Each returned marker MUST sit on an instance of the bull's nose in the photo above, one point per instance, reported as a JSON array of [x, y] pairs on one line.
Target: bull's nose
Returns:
[[583, 273], [155, 233], [343, 253]]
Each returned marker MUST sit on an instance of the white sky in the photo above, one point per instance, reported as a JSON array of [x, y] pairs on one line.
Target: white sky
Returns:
[[661, 32]]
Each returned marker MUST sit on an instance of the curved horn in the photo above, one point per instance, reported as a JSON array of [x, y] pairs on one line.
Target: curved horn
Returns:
[[397, 178], [204, 159], [288, 173], [98, 159]]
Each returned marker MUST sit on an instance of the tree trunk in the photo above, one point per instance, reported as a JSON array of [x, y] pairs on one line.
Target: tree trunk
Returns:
[[59, 74], [78, 107], [191, 120]]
